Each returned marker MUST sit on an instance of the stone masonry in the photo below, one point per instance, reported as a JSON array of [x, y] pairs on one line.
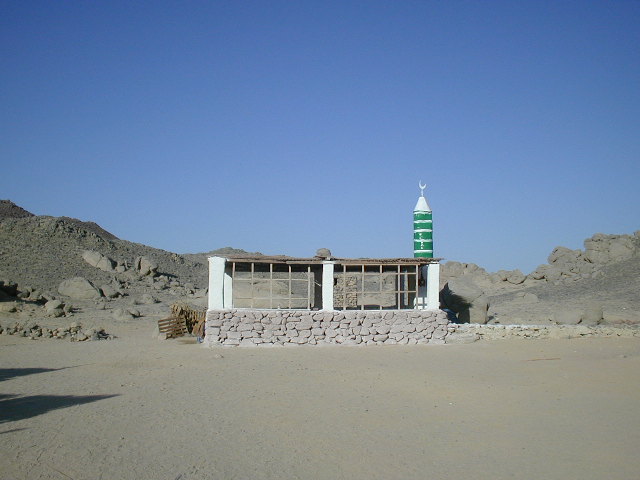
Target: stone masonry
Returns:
[[249, 328]]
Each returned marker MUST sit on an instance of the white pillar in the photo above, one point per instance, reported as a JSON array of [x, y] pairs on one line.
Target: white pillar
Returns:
[[216, 283], [327, 285], [228, 290], [429, 293], [433, 286]]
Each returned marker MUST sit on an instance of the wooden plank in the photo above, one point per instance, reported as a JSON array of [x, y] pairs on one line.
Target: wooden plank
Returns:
[[172, 326]]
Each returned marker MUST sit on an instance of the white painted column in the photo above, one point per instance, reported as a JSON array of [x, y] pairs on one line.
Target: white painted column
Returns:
[[228, 290], [433, 286], [216, 283], [327, 285], [429, 293]]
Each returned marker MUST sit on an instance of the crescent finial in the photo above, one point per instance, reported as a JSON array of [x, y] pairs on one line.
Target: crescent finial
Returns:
[[422, 187]]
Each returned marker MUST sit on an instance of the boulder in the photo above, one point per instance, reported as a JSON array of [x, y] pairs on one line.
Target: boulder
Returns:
[[109, 291], [499, 276], [562, 255], [8, 307], [549, 272], [526, 297], [125, 314], [323, 253], [567, 317], [96, 259], [602, 248], [54, 307], [147, 299], [106, 264], [145, 266], [35, 296], [516, 277], [452, 269], [466, 300], [538, 273], [592, 314], [91, 257], [79, 288], [457, 269]]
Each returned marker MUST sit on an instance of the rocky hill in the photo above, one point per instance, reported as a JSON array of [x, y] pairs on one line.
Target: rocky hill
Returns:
[[601, 282], [75, 267], [38, 253], [42, 251], [8, 209]]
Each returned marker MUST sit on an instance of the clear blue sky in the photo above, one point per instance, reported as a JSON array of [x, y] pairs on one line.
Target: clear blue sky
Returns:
[[288, 126]]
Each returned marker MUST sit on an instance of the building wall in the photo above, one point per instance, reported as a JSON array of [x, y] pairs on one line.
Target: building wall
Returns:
[[237, 327], [341, 291]]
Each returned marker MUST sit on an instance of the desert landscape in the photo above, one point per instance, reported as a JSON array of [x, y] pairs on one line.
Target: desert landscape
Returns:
[[320, 240], [545, 386]]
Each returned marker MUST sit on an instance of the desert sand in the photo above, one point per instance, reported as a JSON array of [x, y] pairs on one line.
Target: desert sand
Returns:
[[139, 408]]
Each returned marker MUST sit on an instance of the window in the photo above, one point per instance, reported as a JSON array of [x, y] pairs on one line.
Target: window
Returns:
[[276, 285], [375, 287]]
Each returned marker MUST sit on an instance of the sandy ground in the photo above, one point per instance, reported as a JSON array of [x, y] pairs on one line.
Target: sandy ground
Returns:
[[138, 408]]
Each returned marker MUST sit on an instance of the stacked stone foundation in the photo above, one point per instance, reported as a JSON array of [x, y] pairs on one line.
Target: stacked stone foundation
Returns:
[[254, 328]]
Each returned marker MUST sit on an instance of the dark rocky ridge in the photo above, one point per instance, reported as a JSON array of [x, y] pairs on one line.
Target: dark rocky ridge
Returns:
[[8, 209]]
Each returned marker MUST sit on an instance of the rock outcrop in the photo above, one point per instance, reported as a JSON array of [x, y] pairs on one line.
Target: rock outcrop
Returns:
[[596, 285], [466, 300], [79, 288], [96, 259], [145, 266]]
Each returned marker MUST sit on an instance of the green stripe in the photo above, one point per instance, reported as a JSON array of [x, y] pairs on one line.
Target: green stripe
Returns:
[[422, 216]]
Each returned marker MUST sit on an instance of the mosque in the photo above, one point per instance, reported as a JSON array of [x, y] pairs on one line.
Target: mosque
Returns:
[[326, 283]]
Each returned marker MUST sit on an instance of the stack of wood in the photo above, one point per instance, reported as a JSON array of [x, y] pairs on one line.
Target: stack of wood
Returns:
[[172, 327], [183, 319], [190, 315]]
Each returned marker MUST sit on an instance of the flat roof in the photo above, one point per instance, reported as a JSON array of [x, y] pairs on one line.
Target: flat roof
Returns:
[[319, 260]]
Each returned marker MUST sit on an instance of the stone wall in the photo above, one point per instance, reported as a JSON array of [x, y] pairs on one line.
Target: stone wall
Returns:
[[238, 327], [470, 332]]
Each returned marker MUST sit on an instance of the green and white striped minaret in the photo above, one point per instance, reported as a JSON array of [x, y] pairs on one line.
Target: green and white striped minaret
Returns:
[[422, 227]]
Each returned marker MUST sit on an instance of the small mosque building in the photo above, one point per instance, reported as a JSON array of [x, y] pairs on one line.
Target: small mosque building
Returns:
[[256, 300]]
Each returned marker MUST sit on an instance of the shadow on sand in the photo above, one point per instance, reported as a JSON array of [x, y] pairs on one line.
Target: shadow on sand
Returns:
[[14, 407], [12, 430], [7, 373]]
